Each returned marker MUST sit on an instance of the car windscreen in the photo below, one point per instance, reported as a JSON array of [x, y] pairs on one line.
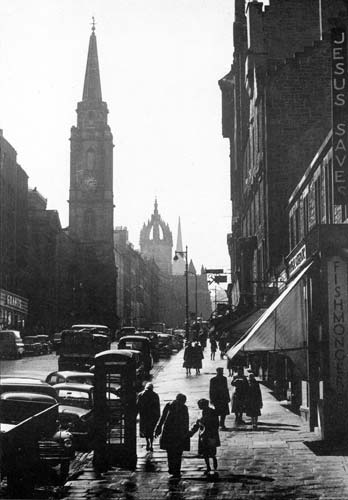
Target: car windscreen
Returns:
[[71, 397]]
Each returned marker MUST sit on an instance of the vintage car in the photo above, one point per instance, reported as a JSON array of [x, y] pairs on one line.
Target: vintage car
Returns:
[[45, 344], [76, 403], [72, 377], [23, 384], [32, 346], [140, 367], [101, 329], [11, 344], [138, 343], [57, 338], [32, 445], [165, 344], [153, 338]]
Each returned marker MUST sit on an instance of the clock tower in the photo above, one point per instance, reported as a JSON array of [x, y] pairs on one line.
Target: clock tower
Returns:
[[91, 203], [91, 161]]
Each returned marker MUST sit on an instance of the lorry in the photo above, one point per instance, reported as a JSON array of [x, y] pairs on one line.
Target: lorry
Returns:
[[78, 348]]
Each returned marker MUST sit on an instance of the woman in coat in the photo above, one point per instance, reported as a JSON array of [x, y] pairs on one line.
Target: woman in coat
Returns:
[[253, 400], [197, 356], [209, 439], [173, 427], [148, 407], [219, 395], [188, 358], [241, 388]]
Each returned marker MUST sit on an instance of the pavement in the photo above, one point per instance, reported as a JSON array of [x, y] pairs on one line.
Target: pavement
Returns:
[[279, 460]]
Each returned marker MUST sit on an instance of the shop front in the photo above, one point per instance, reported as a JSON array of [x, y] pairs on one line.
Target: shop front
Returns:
[[13, 310]]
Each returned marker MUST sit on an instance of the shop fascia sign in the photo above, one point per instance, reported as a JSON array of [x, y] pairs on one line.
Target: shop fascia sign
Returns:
[[297, 260], [339, 114], [13, 301]]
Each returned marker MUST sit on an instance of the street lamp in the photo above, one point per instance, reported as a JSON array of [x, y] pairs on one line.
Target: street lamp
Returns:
[[187, 321]]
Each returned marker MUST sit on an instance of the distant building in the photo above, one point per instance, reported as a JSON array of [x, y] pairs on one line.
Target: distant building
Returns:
[[179, 262], [13, 238], [156, 242], [137, 284]]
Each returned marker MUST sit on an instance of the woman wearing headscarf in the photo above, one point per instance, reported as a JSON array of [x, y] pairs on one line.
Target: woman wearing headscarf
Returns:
[[209, 439], [173, 427], [148, 407]]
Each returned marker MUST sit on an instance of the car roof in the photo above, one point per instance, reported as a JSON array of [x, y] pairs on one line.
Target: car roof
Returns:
[[89, 326], [134, 337], [71, 373], [72, 409], [22, 380], [74, 387], [28, 396]]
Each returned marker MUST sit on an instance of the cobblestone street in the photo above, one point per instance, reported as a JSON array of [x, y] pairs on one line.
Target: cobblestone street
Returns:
[[279, 460]]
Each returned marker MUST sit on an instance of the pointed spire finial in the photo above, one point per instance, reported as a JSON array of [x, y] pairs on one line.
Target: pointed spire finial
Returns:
[[93, 24], [156, 206]]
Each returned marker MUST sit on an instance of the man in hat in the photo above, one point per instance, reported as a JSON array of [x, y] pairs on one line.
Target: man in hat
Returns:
[[219, 396]]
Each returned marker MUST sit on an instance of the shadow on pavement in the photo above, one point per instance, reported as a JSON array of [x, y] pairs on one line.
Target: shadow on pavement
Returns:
[[323, 448], [231, 478]]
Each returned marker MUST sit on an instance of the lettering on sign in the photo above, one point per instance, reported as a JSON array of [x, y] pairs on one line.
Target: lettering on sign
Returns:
[[298, 259], [338, 327], [339, 114]]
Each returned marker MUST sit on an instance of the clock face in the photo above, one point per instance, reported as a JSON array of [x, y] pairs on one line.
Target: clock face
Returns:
[[90, 183]]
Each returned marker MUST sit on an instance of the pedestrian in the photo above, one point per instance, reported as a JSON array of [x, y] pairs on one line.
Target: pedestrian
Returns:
[[203, 339], [209, 439], [239, 397], [213, 348], [148, 407], [222, 345], [229, 362], [173, 427], [253, 400], [219, 395], [197, 356], [188, 358]]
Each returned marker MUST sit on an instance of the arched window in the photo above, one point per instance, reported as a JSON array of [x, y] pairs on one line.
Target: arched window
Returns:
[[90, 159], [89, 224]]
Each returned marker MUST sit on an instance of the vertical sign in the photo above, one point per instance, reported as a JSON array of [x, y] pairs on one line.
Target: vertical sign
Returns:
[[339, 115], [338, 330]]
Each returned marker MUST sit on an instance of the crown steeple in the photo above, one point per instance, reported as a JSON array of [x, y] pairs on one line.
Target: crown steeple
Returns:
[[92, 87]]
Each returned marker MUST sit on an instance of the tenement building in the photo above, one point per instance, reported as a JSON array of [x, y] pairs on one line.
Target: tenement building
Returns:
[[13, 238], [91, 203], [284, 113]]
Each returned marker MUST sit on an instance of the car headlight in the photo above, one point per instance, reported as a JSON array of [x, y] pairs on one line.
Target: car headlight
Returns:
[[67, 443]]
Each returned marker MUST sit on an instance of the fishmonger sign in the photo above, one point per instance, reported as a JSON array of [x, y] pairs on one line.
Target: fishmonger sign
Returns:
[[338, 329], [339, 114]]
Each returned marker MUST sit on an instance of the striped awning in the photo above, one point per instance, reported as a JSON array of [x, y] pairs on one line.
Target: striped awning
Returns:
[[283, 326]]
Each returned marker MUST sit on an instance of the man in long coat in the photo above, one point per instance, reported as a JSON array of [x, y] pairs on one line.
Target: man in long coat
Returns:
[[174, 429], [219, 396]]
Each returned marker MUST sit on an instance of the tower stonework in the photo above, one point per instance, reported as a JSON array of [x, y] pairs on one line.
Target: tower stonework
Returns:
[[91, 161], [91, 201], [156, 242]]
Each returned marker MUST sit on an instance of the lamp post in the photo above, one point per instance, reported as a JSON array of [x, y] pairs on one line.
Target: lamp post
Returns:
[[187, 321]]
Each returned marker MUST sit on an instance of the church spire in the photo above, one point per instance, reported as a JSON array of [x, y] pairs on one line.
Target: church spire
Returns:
[[92, 87], [179, 239]]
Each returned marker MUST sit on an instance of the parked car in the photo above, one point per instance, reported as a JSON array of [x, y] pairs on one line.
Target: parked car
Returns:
[[32, 346], [78, 348], [165, 344], [138, 343], [11, 344], [76, 411], [31, 441], [153, 338], [66, 377], [45, 344], [126, 330], [22, 384], [57, 338]]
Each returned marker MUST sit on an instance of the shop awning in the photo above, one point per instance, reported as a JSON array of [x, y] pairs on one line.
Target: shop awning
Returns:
[[283, 326]]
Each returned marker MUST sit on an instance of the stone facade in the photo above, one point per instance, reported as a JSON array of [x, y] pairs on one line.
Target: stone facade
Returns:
[[91, 200]]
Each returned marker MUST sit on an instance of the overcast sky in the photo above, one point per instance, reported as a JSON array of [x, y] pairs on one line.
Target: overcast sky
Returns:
[[160, 61]]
